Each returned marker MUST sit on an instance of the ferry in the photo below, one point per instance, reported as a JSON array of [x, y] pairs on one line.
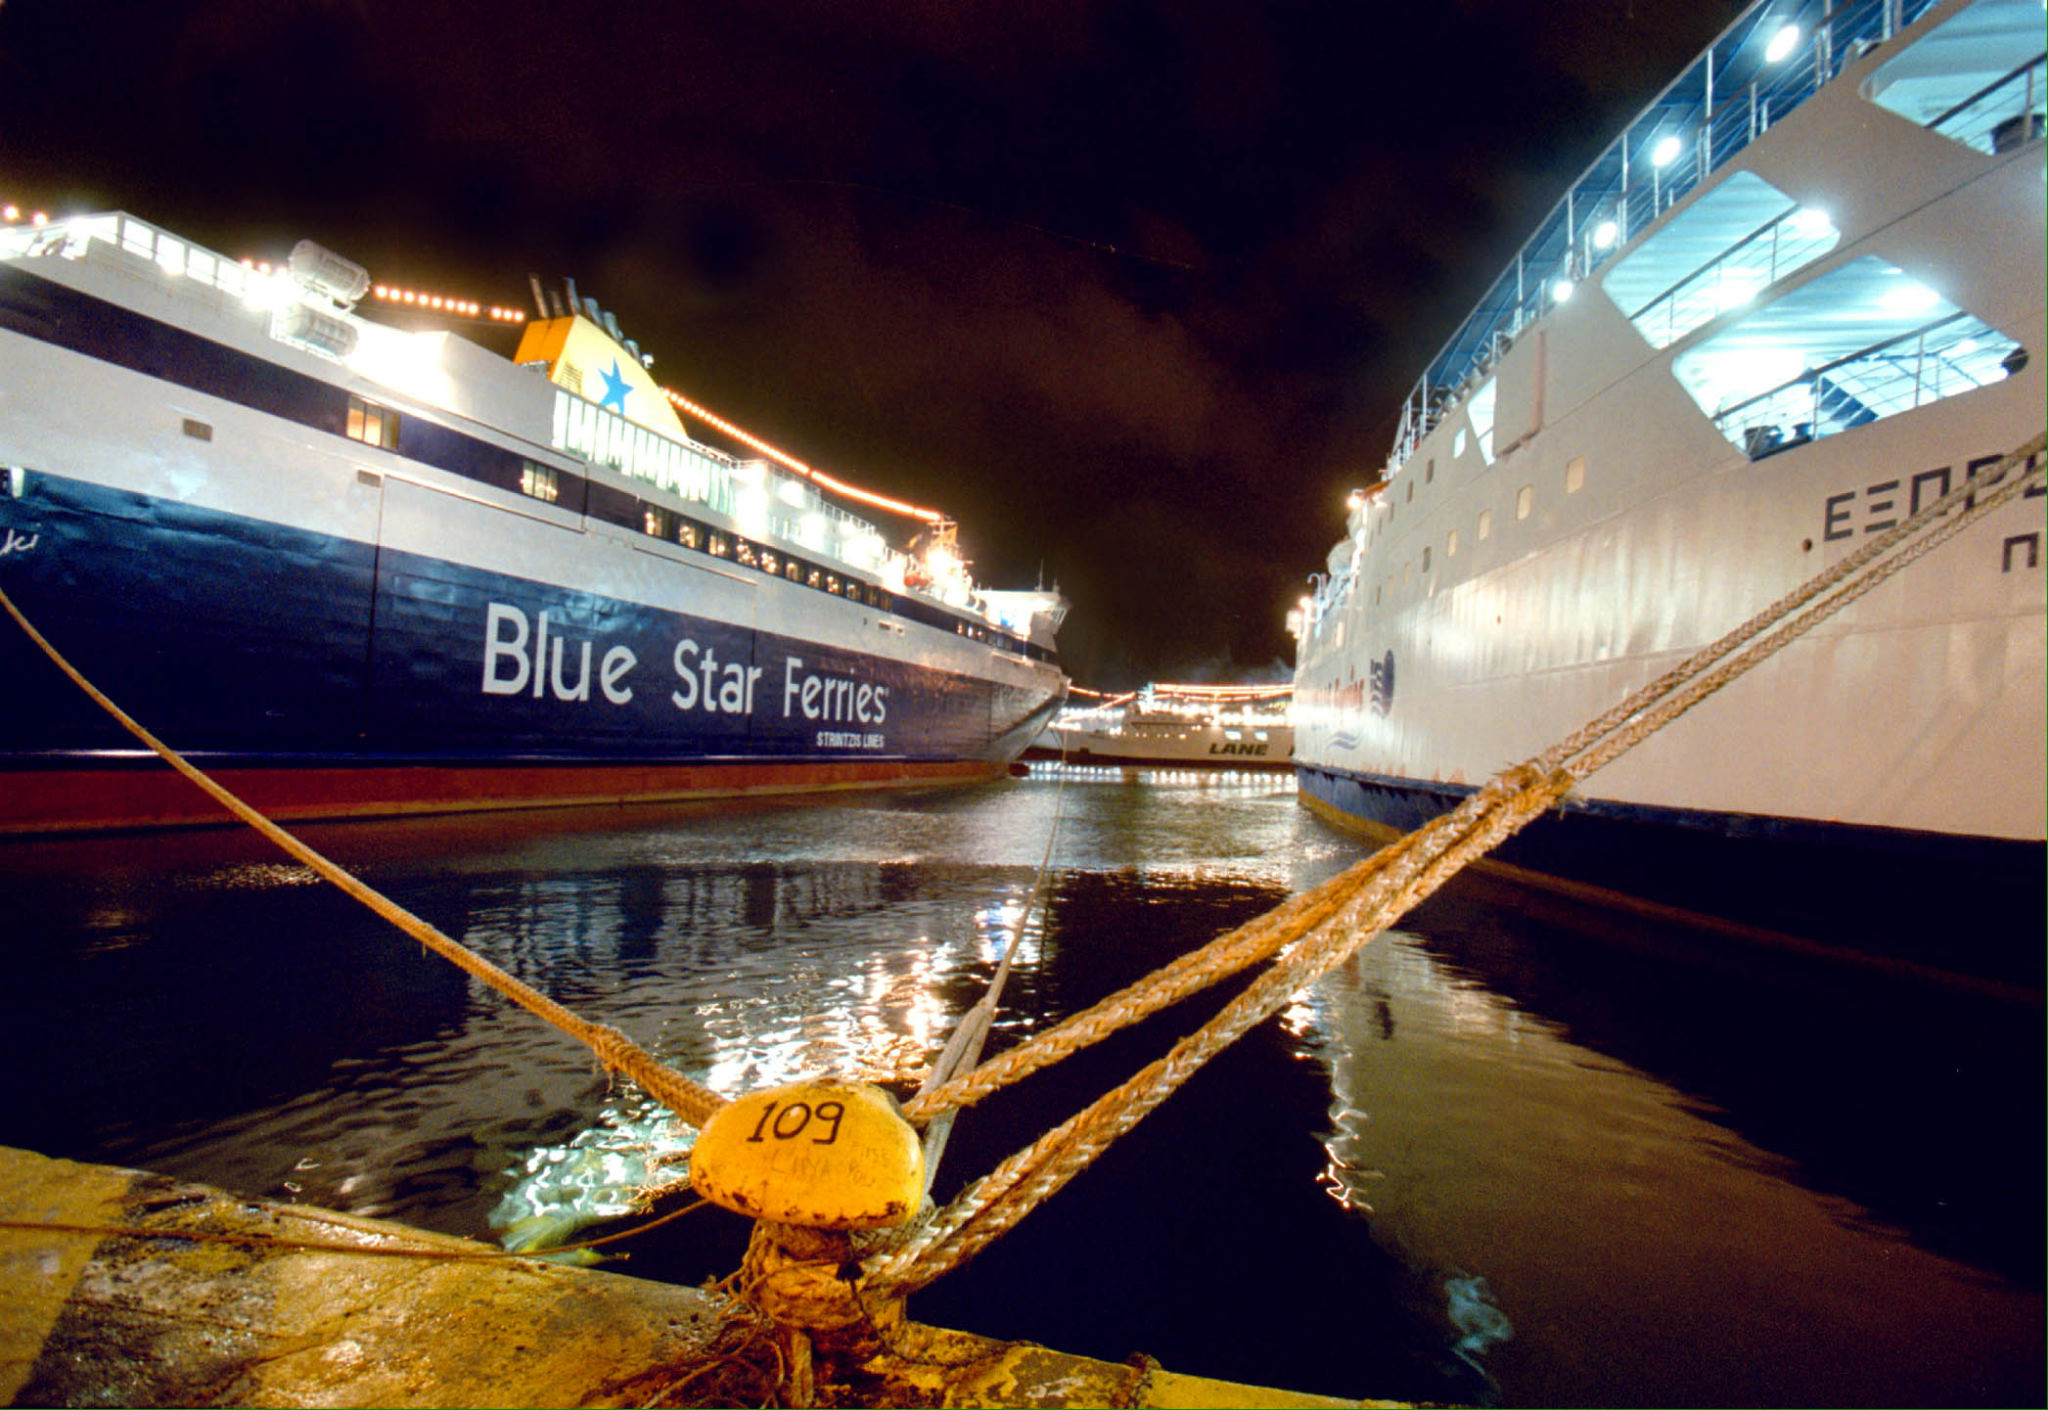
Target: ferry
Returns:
[[1174, 727], [1799, 296], [355, 563]]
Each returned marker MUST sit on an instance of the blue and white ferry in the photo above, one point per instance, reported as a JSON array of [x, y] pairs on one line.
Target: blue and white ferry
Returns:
[[355, 566]]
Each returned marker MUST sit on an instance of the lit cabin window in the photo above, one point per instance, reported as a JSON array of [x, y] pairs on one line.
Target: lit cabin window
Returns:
[[1451, 544], [1856, 345], [743, 553], [372, 424], [1525, 501], [690, 534], [1485, 525], [794, 569], [1575, 474], [658, 522], [770, 562], [720, 545], [1976, 78], [539, 481]]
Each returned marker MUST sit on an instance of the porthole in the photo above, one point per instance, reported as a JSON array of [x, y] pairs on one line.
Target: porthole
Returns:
[[1575, 474], [1451, 544], [1525, 500], [1485, 525]]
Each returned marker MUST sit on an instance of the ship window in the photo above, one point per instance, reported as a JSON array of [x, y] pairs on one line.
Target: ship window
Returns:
[[1575, 474], [1856, 345], [690, 534], [832, 584], [719, 545], [1525, 501], [1411, 491], [1429, 471], [770, 563], [814, 577], [1485, 525], [539, 481], [1457, 444], [1425, 560], [1451, 544], [1715, 256], [658, 522], [1977, 78], [372, 424], [794, 569], [744, 552], [198, 430]]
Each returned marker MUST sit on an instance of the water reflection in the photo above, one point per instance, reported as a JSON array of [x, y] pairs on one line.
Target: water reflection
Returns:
[[1499, 1156]]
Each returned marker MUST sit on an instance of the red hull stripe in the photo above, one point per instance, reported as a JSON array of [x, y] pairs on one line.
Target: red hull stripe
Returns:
[[93, 799]]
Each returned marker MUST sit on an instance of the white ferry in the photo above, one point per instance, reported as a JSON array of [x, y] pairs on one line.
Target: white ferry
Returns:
[[1798, 297], [357, 567], [1175, 726]]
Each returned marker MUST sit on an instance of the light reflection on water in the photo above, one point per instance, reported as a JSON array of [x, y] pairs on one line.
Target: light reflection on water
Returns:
[[1484, 1160]]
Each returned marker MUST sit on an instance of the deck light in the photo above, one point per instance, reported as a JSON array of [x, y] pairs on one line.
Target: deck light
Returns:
[[1665, 152], [1782, 44], [1911, 297], [1605, 234], [1561, 291], [1812, 223]]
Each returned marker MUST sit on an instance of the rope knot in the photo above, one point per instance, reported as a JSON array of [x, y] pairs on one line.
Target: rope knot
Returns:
[[813, 1280]]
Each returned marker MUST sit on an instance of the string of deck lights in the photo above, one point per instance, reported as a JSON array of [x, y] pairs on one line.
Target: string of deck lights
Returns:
[[817, 477]]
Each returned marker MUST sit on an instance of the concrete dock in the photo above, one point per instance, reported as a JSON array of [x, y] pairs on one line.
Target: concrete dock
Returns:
[[137, 1290]]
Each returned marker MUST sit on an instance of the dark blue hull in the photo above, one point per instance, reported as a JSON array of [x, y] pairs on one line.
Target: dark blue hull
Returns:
[[275, 651], [1907, 901]]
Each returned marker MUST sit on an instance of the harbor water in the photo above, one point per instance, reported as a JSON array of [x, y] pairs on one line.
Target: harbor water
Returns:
[[1509, 1154]]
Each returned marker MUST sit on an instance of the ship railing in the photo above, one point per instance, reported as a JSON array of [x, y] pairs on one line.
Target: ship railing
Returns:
[[74, 237], [2001, 114], [1731, 95], [1883, 379], [1759, 260], [743, 489]]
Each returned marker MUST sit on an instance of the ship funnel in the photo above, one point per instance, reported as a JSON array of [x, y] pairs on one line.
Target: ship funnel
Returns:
[[326, 273]]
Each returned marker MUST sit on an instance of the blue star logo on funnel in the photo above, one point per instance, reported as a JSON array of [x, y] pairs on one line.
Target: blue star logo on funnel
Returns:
[[615, 389]]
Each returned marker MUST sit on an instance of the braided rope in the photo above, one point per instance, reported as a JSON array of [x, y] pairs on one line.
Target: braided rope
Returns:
[[689, 1100], [1391, 882]]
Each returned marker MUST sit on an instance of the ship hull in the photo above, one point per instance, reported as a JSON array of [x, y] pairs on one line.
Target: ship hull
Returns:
[[1928, 905], [1583, 507], [323, 677]]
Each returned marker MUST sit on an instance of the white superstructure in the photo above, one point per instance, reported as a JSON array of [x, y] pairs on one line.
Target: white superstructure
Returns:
[[1800, 296]]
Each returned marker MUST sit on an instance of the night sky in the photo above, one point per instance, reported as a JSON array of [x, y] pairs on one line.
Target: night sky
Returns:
[[1133, 290]]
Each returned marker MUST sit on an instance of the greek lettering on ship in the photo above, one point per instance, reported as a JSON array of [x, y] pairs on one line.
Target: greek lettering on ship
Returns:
[[1877, 507]]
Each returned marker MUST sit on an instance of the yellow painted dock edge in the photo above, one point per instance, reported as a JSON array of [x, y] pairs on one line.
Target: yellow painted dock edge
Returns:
[[133, 1320]]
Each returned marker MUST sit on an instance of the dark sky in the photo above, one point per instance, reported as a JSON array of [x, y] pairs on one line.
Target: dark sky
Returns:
[[1133, 290]]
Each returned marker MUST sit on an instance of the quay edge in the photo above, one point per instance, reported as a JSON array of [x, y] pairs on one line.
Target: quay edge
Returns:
[[125, 1320]]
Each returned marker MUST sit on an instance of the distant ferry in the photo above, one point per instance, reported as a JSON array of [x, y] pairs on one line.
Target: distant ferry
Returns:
[[357, 568], [1799, 296], [1176, 726]]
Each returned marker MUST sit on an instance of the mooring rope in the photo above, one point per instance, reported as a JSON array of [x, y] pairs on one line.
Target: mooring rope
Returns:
[[1324, 926], [691, 1101], [1384, 887]]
